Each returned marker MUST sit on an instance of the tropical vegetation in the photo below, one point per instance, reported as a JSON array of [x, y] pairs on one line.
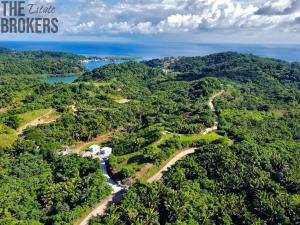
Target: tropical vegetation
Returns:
[[247, 172]]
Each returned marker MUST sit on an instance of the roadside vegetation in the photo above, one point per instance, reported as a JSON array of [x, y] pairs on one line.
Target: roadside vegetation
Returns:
[[147, 158], [7, 136], [245, 173], [252, 180]]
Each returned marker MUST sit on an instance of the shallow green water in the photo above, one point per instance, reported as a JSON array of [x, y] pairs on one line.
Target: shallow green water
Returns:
[[60, 79]]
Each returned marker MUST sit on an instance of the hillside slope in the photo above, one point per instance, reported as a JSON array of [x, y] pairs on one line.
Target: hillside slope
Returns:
[[255, 180], [38, 62]]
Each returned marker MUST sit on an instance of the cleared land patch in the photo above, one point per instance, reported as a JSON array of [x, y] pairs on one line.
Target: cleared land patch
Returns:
[[81, 147], [2, 110], [122, 100], [144, 169], [7, 136], [36, 117]]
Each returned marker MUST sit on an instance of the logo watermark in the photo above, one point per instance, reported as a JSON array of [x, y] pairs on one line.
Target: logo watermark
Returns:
[[19, 17]]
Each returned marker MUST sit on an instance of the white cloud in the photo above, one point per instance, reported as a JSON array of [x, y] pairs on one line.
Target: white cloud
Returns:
[[117, 27], [144, 27], [42, 1], [283, 7], [83, 27], [164, 16]]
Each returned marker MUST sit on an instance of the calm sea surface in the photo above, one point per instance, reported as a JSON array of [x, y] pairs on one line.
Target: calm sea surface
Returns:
[[148, 51]]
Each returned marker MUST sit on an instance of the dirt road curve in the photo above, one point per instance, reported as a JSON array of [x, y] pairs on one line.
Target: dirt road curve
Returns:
[[45, 119], [115, 197], [186, 152], [213, 109], [172, 162], [101, 207]]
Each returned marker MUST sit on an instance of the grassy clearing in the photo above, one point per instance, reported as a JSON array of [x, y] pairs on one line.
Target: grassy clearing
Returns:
[[121, 100], [32, 115], [95, 83], [100, 84], [117, 98], [162, 140], [186, 140], [246, 114], [36, 117], [135, 161], [20, 96], [7, 136], [143, 169], [280, 113], [3, 110], [208, 137]]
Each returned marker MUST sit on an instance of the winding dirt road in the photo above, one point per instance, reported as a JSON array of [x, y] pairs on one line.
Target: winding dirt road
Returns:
[[172, 162], [213, 109], [189, 151], [115, 197]]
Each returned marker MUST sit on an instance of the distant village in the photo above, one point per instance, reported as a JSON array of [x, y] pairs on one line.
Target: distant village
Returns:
[[108, 58]]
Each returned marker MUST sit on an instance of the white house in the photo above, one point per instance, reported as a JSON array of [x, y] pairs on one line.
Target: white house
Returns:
[[94, 149], [97, 150], [105, 152]]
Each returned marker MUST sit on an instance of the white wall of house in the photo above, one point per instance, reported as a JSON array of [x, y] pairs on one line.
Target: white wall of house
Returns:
[[106, 151], [94, 149]]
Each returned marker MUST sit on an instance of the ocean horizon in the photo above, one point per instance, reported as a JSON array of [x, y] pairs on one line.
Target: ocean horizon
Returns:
[[289, 53]]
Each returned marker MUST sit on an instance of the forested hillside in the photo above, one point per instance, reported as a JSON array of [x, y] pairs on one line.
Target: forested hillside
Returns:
[[52, 189], [255, 180], [38, 62], [245, 173], [156, 103], [239, 67]]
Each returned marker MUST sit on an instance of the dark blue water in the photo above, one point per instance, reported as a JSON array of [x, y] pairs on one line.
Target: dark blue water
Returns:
[[148, 51]]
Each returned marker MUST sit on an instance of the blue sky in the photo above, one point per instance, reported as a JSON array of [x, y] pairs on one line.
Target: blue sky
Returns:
[[195, 21]]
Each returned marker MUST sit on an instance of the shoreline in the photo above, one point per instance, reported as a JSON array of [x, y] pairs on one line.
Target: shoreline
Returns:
[[109, 58]]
